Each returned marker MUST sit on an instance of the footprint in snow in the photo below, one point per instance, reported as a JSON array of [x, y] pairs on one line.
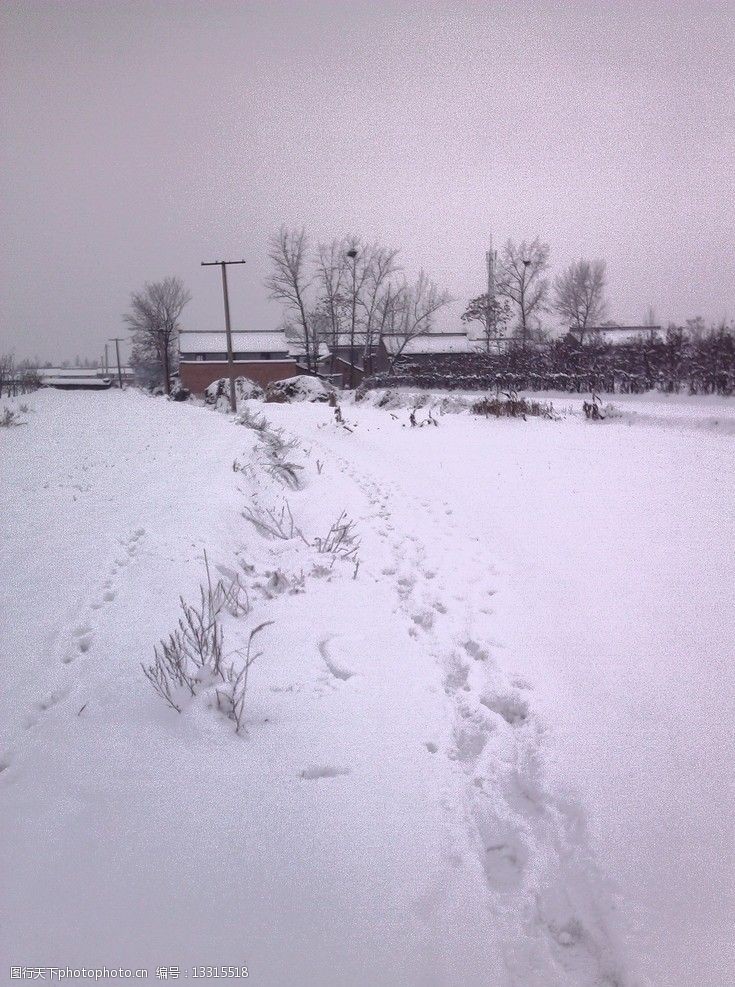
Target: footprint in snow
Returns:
[[315, 771], [109, 592], [475, 650], [338, 670], [51, 701], [84, 636], [512, 707], [424, 619]]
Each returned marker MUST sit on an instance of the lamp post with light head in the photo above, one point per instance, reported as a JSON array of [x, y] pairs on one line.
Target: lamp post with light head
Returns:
[[352, 254], [526, 265]]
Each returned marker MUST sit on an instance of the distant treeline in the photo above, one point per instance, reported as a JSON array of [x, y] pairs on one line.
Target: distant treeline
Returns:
[[680, 362]]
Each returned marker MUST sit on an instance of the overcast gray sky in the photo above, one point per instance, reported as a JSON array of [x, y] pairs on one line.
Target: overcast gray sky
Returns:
[[139, 138]]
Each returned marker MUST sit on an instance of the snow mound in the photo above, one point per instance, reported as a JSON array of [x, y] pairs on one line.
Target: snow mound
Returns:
[[300, 388], [219, 390]]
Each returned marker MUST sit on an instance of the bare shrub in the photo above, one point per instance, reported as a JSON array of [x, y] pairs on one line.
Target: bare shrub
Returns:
[[9, 418], [274, 524], [232, 697], [192, 659], [593, 409], [276, 449], [340, 542], [251, 419]]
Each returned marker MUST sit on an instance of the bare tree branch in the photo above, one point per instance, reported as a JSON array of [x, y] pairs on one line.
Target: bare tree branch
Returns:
[[413, 312]]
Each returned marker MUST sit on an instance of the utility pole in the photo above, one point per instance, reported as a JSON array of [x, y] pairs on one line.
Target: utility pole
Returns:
[[117, 340], [228, 331], [107, 363]]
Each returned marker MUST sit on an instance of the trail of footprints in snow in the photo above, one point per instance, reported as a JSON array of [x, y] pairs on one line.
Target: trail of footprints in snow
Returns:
[[82, 635], [495, 742]]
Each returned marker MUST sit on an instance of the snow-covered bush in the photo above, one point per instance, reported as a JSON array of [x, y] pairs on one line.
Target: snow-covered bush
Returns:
[[179, 392], [191, 661], [301, 388], [218, 392]]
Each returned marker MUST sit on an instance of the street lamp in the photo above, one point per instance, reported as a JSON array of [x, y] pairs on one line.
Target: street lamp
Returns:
[[526, 265], [352, 254]]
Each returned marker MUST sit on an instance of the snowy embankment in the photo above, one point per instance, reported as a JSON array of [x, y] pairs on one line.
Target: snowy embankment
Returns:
[[396, 812]]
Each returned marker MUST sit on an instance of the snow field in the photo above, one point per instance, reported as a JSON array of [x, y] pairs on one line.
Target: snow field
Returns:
[[398, 811]]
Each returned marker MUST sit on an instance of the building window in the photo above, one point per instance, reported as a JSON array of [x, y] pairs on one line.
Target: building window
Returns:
[[265, 356]]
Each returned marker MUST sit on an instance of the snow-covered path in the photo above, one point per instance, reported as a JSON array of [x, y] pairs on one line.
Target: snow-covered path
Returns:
[[609, 555], [397, 813]]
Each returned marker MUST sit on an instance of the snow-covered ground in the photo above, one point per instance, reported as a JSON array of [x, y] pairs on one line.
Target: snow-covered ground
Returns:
[[499, 751]]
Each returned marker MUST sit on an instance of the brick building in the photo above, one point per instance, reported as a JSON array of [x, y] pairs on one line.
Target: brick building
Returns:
[[262, 355], [436, 351]]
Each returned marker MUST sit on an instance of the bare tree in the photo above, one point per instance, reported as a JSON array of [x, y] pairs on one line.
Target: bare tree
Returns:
[[7, 369], [412, 313], [492, 314], [332, 273], [289, 283], [355, 278], [359, 275], [521, 280], [154, 320], [579, 295], [380, 265]]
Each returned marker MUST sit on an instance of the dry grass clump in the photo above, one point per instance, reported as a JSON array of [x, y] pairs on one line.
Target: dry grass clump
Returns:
[[510, 405]]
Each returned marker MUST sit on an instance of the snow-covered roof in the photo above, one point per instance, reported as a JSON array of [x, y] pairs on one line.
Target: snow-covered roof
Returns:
[[341, 340], [80, 372], [433, 343], [296, 349], [249, 341]]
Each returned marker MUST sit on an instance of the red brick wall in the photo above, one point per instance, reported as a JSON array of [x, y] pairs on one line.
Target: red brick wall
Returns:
[[199, 375]]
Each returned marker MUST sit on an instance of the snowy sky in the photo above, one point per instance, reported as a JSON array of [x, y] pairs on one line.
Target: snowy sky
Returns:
[[141, 138]]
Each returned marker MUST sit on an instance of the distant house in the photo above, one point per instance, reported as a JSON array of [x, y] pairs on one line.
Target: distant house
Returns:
[[337, 356], [297, 350], [436, 351], [262, 355], [82, 378], [431, 350]]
